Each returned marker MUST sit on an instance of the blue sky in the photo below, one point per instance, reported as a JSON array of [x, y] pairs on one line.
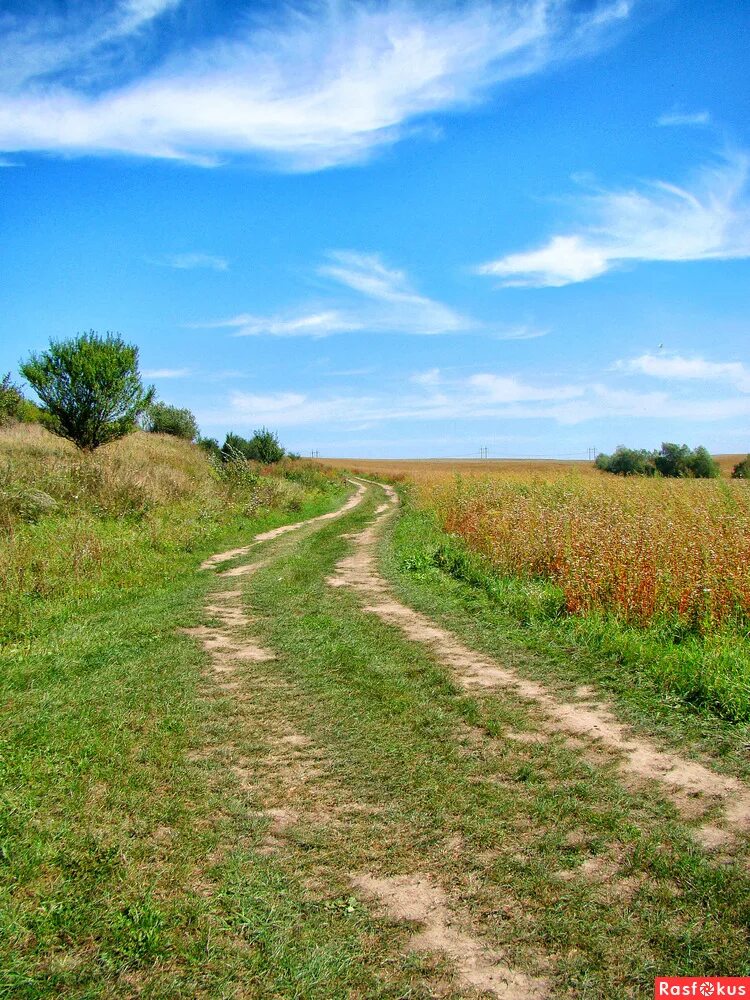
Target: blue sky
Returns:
[[391, 228]]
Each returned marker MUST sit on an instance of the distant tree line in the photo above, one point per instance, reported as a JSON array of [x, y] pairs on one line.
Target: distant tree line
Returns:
[[90, 391], [674, 461]]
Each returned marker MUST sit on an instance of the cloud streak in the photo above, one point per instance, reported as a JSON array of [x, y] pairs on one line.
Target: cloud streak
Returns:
[[324, 83], [192, 261], [430, 396], [370, 296], [677, 118], [674, 367], [707, 220]]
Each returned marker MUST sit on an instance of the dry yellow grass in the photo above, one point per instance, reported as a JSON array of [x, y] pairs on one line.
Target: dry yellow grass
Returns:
[[134, 474], [429, 470]]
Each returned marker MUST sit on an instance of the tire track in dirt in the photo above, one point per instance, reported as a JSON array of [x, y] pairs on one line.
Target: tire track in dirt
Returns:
[[298, 772], [221, 557], [692, 787]]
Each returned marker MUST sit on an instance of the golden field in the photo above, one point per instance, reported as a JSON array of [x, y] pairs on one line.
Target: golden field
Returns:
[[646, 549]]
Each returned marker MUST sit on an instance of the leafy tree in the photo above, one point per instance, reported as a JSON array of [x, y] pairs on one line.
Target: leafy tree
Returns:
[[161, 418], [673, 460], [13, 404], [235, 447], [90, 387], [627, 462], [265, 447], [262, 447], [742, 469], [702, 464], [211, 446]]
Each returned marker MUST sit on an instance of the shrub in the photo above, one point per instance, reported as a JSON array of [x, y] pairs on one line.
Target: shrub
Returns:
[[674, 461], [627, 462], [263, 447], [90, 388], [742, 469], [210, 446], [702, 465], [161, 418], [14, 405]]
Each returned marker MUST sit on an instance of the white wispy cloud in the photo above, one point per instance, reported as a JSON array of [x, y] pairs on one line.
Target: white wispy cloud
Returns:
[[81, 42], [368, 295], [324, 82], [192, 261], [306, 324], [166, 372], [430, 377], [676, 367], [523, 331], [483, 396], [709, 219], [398, 306], [684, 118], [510, 389]]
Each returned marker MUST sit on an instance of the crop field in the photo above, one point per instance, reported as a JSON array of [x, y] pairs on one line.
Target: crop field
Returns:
[[654, 573], [648, 549]]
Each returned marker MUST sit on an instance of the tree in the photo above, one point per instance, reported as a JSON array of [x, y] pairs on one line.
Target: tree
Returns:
[[235, 447], [13, 404], [627, 462], [672, 461], [211, 447], [90, 387], [742, 469], [161, 418], [265, 447], [702, 464], [262, 447]]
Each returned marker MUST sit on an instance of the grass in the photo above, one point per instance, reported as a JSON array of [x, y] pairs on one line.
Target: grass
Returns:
[[494, 821], [137, 851]]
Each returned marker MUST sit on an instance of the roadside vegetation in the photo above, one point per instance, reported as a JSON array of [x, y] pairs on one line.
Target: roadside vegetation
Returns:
[[651, 574]]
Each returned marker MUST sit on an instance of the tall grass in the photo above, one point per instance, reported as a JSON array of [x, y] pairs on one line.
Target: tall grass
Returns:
[[648, 550], [72, 522]]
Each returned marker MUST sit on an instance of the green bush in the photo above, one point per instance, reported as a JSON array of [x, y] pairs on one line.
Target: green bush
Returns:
[[627, 462], [90, 388], [742, 469], [161, 418], [14, 405], [674, 461], [263, 447], [211, 447]]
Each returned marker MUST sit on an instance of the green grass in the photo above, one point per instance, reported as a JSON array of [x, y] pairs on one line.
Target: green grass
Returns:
[[134, 852]]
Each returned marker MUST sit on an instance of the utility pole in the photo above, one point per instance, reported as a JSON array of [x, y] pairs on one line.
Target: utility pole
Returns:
[[592, 453]]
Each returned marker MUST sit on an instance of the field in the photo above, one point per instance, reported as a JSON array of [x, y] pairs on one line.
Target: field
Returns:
[[653, 571], [270, 733], [432, 469]]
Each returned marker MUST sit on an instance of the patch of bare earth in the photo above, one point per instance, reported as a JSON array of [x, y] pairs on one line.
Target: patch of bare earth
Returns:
[[695, 789], [416, 898]]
